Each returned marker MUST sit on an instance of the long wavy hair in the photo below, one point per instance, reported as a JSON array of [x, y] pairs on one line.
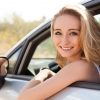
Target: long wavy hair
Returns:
[[89, 33]]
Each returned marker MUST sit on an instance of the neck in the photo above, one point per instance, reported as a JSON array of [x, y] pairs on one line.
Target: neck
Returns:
[[70, 60]]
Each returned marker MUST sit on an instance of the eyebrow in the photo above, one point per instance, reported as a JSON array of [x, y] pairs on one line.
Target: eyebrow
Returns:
[[74, 29], [56, 29], [68, 29]]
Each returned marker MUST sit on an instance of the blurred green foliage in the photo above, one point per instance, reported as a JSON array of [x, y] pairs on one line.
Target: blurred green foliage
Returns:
[[12, 31]]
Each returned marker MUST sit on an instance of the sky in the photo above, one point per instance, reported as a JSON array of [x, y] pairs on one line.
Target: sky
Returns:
[[30, 9]]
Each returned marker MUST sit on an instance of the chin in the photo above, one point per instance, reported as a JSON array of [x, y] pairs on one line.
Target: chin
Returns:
[[66, 56]]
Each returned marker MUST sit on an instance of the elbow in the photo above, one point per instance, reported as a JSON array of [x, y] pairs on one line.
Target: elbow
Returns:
[[26, 95], [23, 96], [20, 98]]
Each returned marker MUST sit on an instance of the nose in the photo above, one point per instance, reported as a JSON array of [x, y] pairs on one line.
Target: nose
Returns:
[[65, 40]]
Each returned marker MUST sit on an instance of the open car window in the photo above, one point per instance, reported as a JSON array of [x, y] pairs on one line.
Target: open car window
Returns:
[[44, 54]]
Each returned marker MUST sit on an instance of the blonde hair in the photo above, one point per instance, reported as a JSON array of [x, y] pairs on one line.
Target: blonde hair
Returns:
[[90, 33]]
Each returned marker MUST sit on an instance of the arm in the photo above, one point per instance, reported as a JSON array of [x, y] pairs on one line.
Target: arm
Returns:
[[40, 77], [66, 76]]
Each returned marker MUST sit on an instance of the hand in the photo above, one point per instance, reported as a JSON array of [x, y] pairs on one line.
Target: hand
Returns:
[[44, 74]]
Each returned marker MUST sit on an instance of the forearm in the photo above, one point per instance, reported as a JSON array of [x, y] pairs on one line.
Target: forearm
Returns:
[[31, 84], [31, 90], [24, 92]]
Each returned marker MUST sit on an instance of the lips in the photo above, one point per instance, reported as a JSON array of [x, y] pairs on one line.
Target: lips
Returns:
[[66, 48]]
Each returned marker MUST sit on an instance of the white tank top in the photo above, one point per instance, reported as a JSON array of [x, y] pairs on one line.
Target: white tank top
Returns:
[[97, 67]]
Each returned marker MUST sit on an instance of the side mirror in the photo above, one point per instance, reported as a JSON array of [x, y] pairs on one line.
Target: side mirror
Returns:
[[4, 64]]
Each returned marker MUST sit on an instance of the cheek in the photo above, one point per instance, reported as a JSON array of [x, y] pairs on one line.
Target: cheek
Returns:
[[76, 42], [78, 45], [55, 40]]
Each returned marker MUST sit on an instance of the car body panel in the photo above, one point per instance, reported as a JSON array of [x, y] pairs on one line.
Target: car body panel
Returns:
[[73, 93], [12, 87]]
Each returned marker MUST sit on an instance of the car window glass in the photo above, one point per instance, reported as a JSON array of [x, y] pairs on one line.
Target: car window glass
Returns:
[[44, 54], [45, 50], [12, 60]]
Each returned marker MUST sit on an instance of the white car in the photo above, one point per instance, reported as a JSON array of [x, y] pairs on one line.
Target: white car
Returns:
[[24, 63]]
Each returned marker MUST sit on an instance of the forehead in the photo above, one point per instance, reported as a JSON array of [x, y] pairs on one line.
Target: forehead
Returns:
[[67, 21]]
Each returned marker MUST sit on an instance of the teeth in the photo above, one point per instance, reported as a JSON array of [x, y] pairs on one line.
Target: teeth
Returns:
[[66, 48]]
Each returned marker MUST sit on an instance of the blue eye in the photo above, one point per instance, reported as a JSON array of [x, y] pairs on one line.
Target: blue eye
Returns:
[[57, 33]]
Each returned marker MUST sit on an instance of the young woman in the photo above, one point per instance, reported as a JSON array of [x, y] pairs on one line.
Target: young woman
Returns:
[[76, 36]]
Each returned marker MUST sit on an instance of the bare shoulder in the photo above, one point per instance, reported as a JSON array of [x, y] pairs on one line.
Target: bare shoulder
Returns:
[[81, 69], [80, 65]]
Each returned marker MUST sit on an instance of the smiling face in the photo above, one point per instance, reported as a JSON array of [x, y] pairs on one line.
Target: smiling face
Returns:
[[65, 35]]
